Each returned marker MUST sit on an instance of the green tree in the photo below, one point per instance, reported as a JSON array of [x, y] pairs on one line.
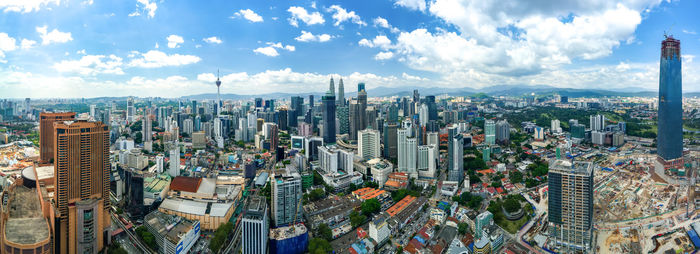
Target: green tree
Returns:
[[220, 237], [317, 194], [324, 232], [116, 248], [516, 176], [462, 228], [319, 246], [370, 207], [356, 219], [147, 237], [511, 205]]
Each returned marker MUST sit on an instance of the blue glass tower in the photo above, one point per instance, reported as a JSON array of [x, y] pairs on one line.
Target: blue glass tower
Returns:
[[670, 116]]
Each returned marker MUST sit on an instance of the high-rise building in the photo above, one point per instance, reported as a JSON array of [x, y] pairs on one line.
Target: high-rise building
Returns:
[[368, 144], [332, 159], [456, 161], [482, 220], [433, 138], [81, 178], [341, 94], [362, 100], [407, 146], [130, 110], [416, 96], [578, 131], [670, 112], [353, 119], [328, 102], [296, 110], [390, 140], [360, 87], [452, 132], [344, 126], [570, 206], [426, 161], [556, 126], [146, 133], [502, 132], [597, 122], [432, 107], [490, 132], [286, 196], [255, 226], [46, 133], [27, 106]]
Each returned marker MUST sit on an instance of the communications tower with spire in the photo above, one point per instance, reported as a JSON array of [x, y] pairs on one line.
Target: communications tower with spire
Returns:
[[218, 94]]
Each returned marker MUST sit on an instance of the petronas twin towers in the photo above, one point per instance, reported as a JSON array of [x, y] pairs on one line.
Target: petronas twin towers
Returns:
[[340, 99]]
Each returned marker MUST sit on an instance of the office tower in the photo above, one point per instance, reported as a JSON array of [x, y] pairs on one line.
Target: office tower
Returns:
[[283, 114], [570, 206], [368, 144], [332, 159], [502, 132], [390, 141], [482, 220], [344, 124], [597, 122], [416, 96], [46, 133], [146, 132], [286, 197], [81, 178], [130, 110], [27, 106], [311, 101], [362, 100], [371, 116], [432, 107], [489, 132], [392, 114], [331, 87], [408, 148], [424, 114], [197, 123], [93, 109], [456, 159], [360, 87], [578, 131], [341, 94], [255, 226], [670, 112], [452, 132], [187, 127], [556, 126], [353, 119], [426, 161], [311, 146], [328, 102], [106, 116], [433, 139], [173, 148], [258, 102], [296, 110]]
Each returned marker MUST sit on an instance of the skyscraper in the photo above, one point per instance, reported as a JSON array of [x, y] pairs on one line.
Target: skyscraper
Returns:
[[286, 194], [407, 146], [218, 94], [81, 177], [255, 226], [489, 132], [456, 169], [353, 119], [570, 206], [331, 87], [146, 134], [368, 144], [502, 132], [130, 110], [389, 137], [670, 115], [46, 133], [344, 124], [341, 93], [597, 122], [328, 102], [296, 110], [362, 100]]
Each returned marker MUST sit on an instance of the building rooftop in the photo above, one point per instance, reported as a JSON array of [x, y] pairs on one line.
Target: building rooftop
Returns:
[[207, 186], [156, 184], [287, 232], [25, 224], [172, 227], [579, 167], [184, 183], [399, 206]]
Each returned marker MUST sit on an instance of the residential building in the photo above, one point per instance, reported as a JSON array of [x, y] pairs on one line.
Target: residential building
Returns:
[[286, 198], [570, 207], [255, 226], [369, 144]]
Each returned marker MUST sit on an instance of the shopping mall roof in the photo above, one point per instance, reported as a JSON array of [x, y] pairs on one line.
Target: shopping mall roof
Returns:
[[26, 224], [185, 183]]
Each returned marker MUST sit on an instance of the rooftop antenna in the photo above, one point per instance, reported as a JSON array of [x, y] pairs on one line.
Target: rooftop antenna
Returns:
[[668, 34]]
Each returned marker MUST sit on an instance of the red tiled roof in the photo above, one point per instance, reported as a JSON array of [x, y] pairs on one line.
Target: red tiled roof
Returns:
[[185, 183]]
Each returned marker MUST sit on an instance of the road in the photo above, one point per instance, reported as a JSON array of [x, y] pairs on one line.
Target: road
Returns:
[[539, 211], [134, 239]]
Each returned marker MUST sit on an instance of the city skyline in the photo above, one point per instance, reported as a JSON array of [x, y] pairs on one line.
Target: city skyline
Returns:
[[296, 48]]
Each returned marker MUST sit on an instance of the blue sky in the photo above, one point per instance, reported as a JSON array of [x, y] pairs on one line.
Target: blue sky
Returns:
[[84, 48]]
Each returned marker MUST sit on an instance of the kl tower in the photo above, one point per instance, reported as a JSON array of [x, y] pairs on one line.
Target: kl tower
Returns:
[[218, 94]]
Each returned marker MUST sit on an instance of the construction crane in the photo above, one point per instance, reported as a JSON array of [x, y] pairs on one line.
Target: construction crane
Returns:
[[296, 212]]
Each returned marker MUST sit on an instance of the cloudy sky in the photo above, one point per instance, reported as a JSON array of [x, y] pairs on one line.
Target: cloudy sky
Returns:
[[169, 48]]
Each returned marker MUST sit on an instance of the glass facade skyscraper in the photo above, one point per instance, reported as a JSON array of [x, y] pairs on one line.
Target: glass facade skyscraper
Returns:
[[670, 115]]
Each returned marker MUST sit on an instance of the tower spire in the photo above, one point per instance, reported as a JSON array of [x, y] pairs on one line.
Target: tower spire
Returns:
[[218, 93]]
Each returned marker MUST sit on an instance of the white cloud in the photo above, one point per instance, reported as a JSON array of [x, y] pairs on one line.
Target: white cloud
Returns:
[[145, 6], [212, 40], [249, 15], [271, 49], [310, 37], [380, 41], [174, 40], [155, 59], [622, 67], [383, 56], [383, 23], [81, 52], [412, 4], [7, 43], [54, 36], [90, 65], [26, 6], [27, 44], [691, 32], [299, 13], [341, 15], [88, 2]]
